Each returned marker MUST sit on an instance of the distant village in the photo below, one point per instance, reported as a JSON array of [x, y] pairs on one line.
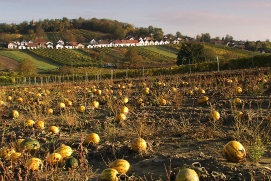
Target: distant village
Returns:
[[41, 43]]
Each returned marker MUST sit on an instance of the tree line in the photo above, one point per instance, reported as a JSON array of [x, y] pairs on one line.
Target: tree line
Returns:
[[111, 29]]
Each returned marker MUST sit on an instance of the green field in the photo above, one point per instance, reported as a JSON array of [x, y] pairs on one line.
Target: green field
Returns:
[[21, 55]]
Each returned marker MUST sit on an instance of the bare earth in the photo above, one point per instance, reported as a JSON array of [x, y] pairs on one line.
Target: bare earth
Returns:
[[8, 63], [178, 134]]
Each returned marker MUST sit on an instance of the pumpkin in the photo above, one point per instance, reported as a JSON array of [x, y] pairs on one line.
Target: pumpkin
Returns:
[[190, 92], [214, 115], [81, 109], [162, 101], [109, 174], [203, 99], [125, 100], [33, 164], [239, 114], [121, 117], [14, 114], [50, 111], [71, 162], [98, 92], [29, 123], [146, 90], [201, 91], [237, 101], [124, 110], [15, 156], [187, 174], [238, 90], [138, 144], [95, 104], [54, 158], [174, 89], [6, 152], [68, 103], [234, 151], [9, 98], [20, 99], [30, 144], [64, 151], [53, 129], [92, 138], [121, 165], [39, 124], [61, 105]]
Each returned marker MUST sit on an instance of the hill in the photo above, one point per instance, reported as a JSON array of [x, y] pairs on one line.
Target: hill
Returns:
[[152, 56]]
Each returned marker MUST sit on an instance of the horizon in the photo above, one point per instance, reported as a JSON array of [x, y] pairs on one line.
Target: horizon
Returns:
[[243, 20]]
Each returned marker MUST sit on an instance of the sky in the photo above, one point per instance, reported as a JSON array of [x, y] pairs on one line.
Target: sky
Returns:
[[241, 19]]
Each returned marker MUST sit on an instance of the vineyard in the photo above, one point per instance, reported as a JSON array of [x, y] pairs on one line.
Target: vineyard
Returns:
[[65, 57]]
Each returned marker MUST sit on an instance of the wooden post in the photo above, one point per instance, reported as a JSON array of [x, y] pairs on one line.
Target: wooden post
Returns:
[[217, 63]]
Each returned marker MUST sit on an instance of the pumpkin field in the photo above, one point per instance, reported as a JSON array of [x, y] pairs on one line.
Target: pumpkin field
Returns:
[[200, 126]]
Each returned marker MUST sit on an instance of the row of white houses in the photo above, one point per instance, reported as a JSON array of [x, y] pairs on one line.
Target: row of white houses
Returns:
[[40, 43]]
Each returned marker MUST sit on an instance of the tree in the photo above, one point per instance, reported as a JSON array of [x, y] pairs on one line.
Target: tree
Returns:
[[190, 53], [133, 57], [27, 67], [205, 37], [178, 34]]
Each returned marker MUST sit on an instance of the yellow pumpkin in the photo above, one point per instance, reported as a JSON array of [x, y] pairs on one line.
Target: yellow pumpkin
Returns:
[[174, 89], [138, 144], [214, 115], [125, 100], [201, 91], [121, 165], [124, 110], [15, 114], [33, 164], [162, 101], [64, 151], [14, 156], [109, 174], [234, 151], [203, 99], [98, 92], [50, 111], [239, 114], [9, 98], [190, 92], [54, 158], [95, 104], [238, 90], [39, 124], [237, 101], [29, 123], [61, 105], [92, 138], [121, 117], [53, 129], [20, 99], [6, 152], [146, 90], [81, 109], [68, 103], [187, 174]]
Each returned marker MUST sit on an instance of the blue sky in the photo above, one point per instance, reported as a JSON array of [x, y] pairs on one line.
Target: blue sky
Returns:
[[242, 19]]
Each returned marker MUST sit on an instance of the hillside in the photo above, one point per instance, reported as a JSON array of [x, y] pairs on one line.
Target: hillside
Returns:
[[152, 56]]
